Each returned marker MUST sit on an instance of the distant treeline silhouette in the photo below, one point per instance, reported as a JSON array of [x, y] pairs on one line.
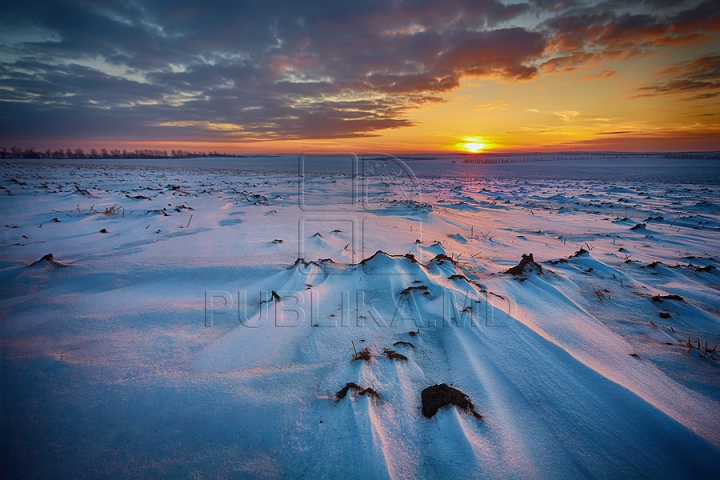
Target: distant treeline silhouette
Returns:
[[697, 155], [492, 160], [79, 153]]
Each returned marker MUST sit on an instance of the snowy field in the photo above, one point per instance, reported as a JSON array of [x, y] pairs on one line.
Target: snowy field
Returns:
[[201, 320]]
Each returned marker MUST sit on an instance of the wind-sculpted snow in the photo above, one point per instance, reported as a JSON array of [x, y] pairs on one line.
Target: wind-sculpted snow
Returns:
[[210, 330]]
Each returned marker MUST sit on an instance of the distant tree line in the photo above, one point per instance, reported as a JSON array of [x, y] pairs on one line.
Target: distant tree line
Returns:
[[699, 155], [79, 153]]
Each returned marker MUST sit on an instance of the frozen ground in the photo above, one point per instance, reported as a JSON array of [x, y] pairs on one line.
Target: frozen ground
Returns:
[[158, 349]]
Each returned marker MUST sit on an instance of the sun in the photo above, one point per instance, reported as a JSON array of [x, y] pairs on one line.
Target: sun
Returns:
[[474, 147], [472, 144]]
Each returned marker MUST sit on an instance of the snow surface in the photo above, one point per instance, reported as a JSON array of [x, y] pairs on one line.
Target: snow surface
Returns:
[[158, 349]]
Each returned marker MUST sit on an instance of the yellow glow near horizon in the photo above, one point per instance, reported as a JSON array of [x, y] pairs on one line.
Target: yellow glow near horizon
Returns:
[[474, 147], [472, 144]]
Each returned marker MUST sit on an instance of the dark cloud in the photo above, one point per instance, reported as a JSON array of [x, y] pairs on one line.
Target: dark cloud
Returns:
[[589, 35], [231, 70], [555, 5], [699, 78]]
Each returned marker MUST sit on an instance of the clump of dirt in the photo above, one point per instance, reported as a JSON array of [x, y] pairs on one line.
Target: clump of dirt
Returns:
[[393, 355], [660, 298], [706, 268], [527, 260], [639, 226], [49, 260], [422, 288], [438, 396], [665, 315], [411, 257], [459, 276], [654, 264], [441, 257], [403, 343], [366, 260], [363, 354], [579, 253], [83, 192], [357, 389]]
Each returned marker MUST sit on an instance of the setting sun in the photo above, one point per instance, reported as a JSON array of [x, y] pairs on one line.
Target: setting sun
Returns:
[[474, 147], [472, 144]]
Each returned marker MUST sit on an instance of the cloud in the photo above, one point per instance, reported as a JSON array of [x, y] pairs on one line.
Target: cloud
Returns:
[[282, 69], [494, 105], [668, 140], [567, 115], [586, 36], [277, 69], [554, 5], [699, 78], [607, 73]]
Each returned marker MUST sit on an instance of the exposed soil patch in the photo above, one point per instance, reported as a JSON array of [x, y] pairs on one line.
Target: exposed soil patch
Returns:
[[438, 396], [706, 268], [527, 261], [49, 260], [363, 354], [411, 257], [441, 257], [393, 355], [357, 389], [422, 288], [459, 276], [660, 298]]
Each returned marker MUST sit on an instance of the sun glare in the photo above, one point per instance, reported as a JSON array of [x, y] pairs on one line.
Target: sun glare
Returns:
[[474, 147]]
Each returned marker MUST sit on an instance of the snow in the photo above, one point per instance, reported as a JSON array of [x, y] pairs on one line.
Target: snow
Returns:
[[158, 348]]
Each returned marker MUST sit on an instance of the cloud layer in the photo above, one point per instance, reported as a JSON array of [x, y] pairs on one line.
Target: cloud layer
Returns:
[[222, 70], [699, 79]]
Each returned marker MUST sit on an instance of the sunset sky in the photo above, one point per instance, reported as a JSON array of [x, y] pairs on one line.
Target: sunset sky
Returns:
[[392, 76]]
